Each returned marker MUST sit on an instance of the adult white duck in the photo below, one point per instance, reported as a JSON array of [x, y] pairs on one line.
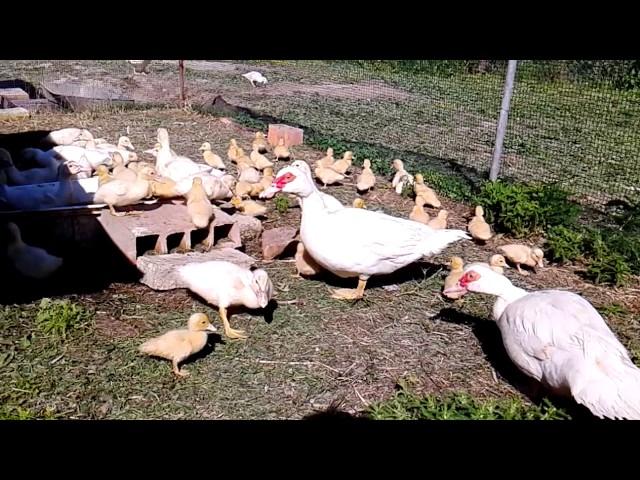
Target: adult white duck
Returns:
[[559, 339], [354, 242], [174, 166]]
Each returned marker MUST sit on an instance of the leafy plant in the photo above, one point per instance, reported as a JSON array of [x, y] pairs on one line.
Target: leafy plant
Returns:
[[521, 209], [282, 204], [57, 317], [563, 244]]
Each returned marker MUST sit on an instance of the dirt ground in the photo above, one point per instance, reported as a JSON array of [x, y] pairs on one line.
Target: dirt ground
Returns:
[[309, 353]]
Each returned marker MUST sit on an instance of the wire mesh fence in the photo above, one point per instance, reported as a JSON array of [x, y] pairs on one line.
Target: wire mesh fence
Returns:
[[573, 123]]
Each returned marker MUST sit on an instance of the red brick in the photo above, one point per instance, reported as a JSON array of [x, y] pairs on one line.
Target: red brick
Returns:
[[292, 135]]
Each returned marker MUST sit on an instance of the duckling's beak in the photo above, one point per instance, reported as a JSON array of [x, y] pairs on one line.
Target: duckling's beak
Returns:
[[263, 299], [211, 328]]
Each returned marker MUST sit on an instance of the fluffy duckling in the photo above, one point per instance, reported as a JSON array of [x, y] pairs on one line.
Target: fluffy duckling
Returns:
[[359, 203], [260, 143], [102, 172], [120, 170], [178, 345], [342, 165], [198, 204], [456, 265], [119, 193], [225, 284], [417, 212], [232, 151], [523, 255], [163, 187], [136, 166], [124, 143], [440, 222], [247, 173], [421, 190], [497, 263], [478, 227], [243, 189], [328, 160], [67, 136], [401, 177], [30, 261], [259, 161], [367, 179], [305, 264], [211, 158], [249, 207], [243, 158], [281, 151], [328, 176], [267, 178]]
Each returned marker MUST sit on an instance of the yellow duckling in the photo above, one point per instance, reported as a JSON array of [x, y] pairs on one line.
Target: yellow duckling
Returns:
[[367, 179], [102, 172], [342, 165], [247, 173], [328, 160], [281, 151], [120, 170], [243, 158], [30, 261], [523, 255], [178, 345], [401, 177], [417, 213], [260, 143], [198, 204], [359, 203], [163, 187], [328, 176], [440, 222], [305, 264], [210, 158], [136, 166], [119, 193], [456, 265], [232, 152], [259, 161], [478, 227], [249, 207], [497, 263], [429, 196], [267, 178], [243, 189]]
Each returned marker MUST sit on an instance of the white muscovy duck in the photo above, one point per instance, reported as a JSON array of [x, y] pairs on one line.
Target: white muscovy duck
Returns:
[[559, 339], [95, 157], [354, 242], [67, 136], [174, 166]]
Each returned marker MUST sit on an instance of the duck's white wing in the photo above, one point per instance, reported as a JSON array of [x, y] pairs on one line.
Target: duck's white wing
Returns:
[[559, 336]]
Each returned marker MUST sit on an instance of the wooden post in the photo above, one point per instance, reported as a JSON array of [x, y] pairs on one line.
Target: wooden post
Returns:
[[502, 121], [183, 95]]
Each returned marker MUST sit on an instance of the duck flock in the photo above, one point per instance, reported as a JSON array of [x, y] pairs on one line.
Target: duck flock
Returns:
[[555, 337]]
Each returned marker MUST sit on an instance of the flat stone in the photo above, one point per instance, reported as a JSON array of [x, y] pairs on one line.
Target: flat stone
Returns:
[[16, 112], [276, 240], [247, 224], [160, 270], [292, 135]]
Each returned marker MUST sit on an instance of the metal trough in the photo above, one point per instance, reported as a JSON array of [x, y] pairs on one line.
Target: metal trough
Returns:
[[82, 95]]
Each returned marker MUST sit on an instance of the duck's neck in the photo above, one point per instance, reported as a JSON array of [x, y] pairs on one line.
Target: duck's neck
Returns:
[[507, 296]]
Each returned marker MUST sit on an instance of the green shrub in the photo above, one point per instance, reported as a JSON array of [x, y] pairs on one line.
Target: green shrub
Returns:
[[522, 210], [450, 186], [563, 244]]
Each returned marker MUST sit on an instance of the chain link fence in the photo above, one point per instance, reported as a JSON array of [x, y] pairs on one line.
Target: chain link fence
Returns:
[[573, 123]]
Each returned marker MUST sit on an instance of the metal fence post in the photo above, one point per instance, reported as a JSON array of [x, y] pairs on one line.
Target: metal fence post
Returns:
[[183, 96], [502, 121]]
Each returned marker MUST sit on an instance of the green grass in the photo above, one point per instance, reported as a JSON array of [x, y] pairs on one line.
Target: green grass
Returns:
[[406, 405], [57, 317]]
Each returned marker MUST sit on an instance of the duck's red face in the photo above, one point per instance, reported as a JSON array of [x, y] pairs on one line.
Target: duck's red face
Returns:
[[469, 277], [282, 180]]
